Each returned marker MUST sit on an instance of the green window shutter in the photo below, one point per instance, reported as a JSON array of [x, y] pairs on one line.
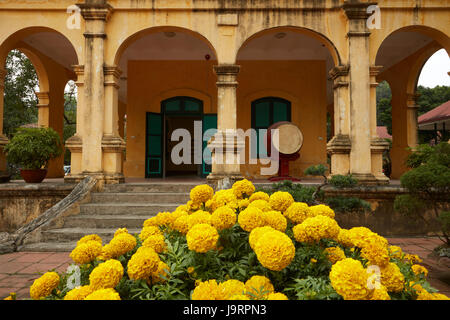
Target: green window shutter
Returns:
[[209, 122], [154, 153], [265, 112]]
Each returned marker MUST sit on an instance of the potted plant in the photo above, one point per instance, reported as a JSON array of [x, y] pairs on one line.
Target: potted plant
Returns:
[[32, 149]]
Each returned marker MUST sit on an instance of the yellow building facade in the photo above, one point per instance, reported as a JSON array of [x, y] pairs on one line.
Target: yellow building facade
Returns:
[[146, 68]]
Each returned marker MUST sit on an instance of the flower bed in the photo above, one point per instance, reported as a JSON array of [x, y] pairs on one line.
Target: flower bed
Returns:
[[238, 244]]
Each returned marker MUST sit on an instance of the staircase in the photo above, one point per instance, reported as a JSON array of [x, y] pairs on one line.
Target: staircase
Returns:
[[118, 206]]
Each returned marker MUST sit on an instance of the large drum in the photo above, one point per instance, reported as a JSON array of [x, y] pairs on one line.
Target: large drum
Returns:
[[289, 143], [290, 138]]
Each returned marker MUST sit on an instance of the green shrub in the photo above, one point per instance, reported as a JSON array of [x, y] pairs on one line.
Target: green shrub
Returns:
[[32, 148]]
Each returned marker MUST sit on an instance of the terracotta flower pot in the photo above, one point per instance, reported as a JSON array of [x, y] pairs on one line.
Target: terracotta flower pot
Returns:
[[33, 175]]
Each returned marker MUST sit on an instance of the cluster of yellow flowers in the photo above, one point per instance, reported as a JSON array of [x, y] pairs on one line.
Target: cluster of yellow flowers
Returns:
[[257, 287], [266, 219]]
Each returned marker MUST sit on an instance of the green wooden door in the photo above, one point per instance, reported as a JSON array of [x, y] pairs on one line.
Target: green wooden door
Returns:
[[154, 145], [265, 112], [209, 124]]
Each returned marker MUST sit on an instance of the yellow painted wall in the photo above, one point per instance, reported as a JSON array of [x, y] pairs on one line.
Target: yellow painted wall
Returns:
[[301, 82]]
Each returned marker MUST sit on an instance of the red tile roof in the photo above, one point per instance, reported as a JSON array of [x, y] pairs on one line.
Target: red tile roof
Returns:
[[383, 133], [437, 114]]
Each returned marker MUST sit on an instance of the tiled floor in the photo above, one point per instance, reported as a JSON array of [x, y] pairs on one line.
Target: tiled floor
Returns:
[[19, 270]]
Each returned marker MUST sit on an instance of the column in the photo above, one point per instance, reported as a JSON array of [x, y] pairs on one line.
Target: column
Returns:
[[225, 145], [412, 137], [360, 106], [378, 145], [43, 106], [96, 14], [339, 146], [75, 143], [3, 139], [113, 145]]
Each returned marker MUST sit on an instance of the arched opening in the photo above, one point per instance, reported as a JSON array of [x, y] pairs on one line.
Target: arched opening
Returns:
[[290, 64], [401, 58], [52, 56], [167, 72]]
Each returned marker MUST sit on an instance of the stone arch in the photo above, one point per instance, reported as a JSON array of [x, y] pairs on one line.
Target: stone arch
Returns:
[[326, 42], [139, 34], [15, 38]]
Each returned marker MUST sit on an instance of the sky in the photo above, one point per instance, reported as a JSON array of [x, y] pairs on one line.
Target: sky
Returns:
[[435, 70]]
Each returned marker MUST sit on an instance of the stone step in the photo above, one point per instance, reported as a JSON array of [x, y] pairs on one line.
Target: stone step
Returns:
[[74, 234], [126, 208], [106, 221], [139, 197], [150, 187]]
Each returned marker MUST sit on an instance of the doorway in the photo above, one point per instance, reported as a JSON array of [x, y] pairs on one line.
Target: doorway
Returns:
[[176, 113]]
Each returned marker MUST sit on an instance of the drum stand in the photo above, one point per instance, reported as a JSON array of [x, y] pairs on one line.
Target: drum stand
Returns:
[[283, 169]]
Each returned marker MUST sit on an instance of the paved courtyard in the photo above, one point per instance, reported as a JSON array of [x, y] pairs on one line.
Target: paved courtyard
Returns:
[[19, 270]]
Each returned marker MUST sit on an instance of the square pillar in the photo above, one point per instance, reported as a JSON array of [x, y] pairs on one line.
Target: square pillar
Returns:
[[3, 139], [225, 146], [360, 102]]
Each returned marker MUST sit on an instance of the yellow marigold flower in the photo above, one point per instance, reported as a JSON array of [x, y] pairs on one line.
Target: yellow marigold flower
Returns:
[[239, 297], [106, 275], [119, 231], [349, 278], [251, 218], [224, 198], [12, 296], [418, 269], [44, 285], [380, 294], [90, 237], [259, 195], [165, 219], [231, 288], [243, 203], [392, 278], [198, 217], [182, 207], [395, 252], [176, 214], [156, 242], [193, 206], [149, 231], [280, 200], [201, 194], [439, 296], [143, 263], [161, 271], [277, 296], [243, 189], [86, 252], [297, 212], [223, 218], [79, 293], [413, 258], [375, 252], [104, 294], [260, 204], [181, 224], [344, 238], [423, 294], [190, 269], [275, 219], [256, 233], [313, 260], [274, 250], [202, 238], [335, 254], [206, 290], [119, 245], [360, 236], [313, 229], [258, 286], [153, 221], [322, 210]]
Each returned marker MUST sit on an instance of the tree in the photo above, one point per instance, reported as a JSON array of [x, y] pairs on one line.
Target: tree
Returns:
[[20, 100], [428, 184]]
